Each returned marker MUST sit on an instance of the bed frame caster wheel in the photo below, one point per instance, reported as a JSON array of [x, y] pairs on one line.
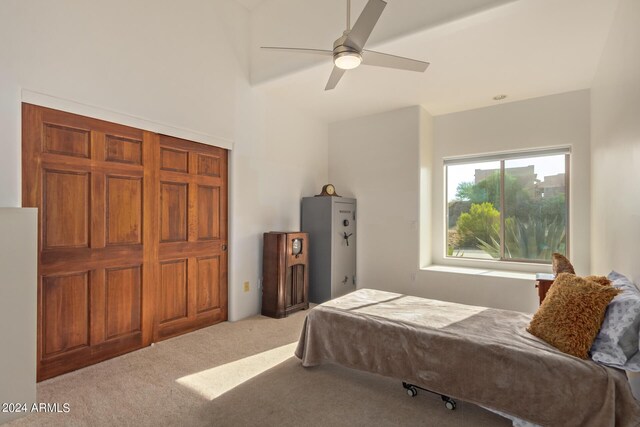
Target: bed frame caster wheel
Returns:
[[449, 403], [412, 391]]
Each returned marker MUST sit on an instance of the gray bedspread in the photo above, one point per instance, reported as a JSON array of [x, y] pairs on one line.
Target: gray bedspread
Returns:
[[476, 354]]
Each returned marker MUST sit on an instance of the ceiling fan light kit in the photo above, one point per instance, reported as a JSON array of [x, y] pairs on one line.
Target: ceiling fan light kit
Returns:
[[348, 50], [347, 60]]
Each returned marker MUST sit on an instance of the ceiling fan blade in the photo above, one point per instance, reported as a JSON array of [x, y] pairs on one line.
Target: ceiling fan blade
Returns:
[[378, 59], [363, 27], [334, 78], [300, 50]]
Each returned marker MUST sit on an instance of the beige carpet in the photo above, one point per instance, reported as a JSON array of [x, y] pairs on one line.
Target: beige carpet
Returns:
[[196, 380]]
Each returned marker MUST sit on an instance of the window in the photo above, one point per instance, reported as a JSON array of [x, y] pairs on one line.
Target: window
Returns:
[[511, 207]]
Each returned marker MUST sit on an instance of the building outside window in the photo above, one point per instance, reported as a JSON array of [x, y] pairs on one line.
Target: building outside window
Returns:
[[509, 207]]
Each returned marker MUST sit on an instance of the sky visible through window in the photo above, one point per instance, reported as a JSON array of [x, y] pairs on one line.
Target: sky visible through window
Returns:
[[527, 222], [544, 166]]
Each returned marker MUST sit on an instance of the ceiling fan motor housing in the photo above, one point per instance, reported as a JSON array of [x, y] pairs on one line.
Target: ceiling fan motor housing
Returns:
[[345, 56], [341, 45]]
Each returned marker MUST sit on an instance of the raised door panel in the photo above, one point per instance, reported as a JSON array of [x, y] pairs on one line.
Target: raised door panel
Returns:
[[65, 309], [124, 210], [123, 150], [66, 211], [208, 212], [208, 289], [208, 165], [173, 291], [174, 160], [123, 301], [66, 141], [173, 212]]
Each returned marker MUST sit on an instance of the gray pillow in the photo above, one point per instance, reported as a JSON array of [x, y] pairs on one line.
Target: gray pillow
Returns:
[[618, 342]]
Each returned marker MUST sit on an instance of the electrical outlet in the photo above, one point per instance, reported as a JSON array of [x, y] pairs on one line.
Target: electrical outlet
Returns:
[[246, 286]]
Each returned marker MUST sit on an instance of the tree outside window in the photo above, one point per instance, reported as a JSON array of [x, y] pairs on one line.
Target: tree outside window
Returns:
[[510, 209]]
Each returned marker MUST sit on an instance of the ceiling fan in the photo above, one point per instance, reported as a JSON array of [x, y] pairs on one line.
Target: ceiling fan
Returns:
[[349, 52]]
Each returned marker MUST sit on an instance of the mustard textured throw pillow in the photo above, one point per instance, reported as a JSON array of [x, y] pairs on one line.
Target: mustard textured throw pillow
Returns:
[[601, 280], [571, 314], [561, 264]]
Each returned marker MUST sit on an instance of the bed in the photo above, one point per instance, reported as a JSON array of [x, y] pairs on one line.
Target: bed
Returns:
[[476, 354]]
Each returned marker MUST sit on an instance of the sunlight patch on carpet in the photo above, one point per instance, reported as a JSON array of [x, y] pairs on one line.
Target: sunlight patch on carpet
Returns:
[[214, 382]]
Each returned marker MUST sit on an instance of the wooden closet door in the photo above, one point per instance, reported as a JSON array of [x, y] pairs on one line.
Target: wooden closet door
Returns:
[[132, 236], [96, 224], [192, 273]]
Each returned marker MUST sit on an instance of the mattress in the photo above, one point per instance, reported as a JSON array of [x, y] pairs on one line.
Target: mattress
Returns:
[[476, 354]]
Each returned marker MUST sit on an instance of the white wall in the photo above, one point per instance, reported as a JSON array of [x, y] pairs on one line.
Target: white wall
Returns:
[[556, 120], [169, 62], [384, 160], [181, 67], [18, 273], [615, 144], [550, 121], [615, 178], [279, 157], [172, 67], [376, 159]]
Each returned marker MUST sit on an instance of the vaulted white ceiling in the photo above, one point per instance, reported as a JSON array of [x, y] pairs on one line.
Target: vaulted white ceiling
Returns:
[[250, 4], [477, 49], [318, 23]]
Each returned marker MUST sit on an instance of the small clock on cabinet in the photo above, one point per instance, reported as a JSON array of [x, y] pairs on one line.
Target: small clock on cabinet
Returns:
[[328, 190]]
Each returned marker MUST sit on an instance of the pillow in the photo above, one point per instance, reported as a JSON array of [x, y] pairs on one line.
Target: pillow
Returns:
[[601, 280], [560, 264], [571, 314], [618, 342]]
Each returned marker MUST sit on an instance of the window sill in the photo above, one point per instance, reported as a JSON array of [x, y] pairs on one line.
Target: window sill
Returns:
[[481, 272]]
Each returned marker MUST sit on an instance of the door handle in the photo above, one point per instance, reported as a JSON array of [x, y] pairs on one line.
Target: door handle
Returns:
[[224, 248], [346, 237]]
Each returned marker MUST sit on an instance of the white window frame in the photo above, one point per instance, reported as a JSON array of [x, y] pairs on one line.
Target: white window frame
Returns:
[[502, 157]]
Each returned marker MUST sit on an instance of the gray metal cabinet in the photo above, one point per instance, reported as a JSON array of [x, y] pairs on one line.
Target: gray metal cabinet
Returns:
[[331, 224]]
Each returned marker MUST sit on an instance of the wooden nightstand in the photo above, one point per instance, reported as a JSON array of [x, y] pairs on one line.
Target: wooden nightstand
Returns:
[[543, 283]]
